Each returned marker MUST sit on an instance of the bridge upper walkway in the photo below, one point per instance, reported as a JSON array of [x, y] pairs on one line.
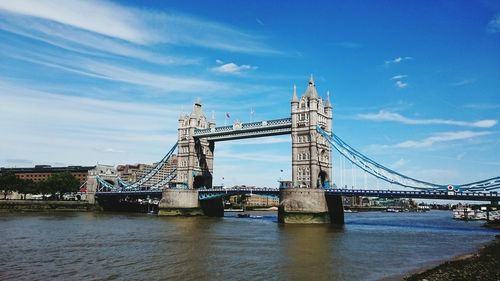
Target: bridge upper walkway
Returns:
[[246, 130]]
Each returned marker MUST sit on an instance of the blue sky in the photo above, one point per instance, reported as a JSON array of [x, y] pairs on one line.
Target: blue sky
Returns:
[[415, 84]]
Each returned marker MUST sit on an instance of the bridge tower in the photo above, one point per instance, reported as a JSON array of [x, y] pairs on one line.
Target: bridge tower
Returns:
[[195, 157], [194, 169], [311, 163], [311, 154]]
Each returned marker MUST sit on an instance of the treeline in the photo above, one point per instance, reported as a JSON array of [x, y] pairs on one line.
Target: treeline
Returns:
[[55, 185]]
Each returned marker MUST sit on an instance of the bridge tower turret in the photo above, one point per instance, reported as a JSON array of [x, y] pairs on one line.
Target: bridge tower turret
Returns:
[[195, 156], [311, 155]]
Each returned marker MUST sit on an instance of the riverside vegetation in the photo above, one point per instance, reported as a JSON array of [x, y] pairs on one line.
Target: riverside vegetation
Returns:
[[54, 186]]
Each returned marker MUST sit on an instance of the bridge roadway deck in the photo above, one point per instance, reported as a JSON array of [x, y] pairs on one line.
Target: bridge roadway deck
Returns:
[[205, 194]]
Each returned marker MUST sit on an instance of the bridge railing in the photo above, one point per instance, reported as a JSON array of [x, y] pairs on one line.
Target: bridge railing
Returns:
[[244, 126]]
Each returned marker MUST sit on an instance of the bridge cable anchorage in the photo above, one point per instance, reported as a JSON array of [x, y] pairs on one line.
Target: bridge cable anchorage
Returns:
[[393, 177], [137, 184]]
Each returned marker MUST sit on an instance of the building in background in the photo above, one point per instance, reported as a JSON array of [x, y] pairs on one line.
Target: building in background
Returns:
[[261, 201], [43, 172], [133, 172]]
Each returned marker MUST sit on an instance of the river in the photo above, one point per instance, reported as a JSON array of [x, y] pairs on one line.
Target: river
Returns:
[[127, 246]]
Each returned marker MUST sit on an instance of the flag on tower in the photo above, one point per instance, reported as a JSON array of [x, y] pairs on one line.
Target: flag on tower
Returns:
[[227, 115]]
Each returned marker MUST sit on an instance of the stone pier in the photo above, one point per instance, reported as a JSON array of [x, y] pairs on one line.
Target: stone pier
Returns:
[[179, 202], [303, 205], [309, 205]]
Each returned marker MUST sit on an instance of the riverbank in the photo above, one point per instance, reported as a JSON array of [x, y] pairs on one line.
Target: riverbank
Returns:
[[44, 206], [483, 265]]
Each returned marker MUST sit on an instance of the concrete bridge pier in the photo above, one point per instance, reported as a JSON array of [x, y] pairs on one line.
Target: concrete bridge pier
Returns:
[[179, 202], [184, 202], [303, 205]]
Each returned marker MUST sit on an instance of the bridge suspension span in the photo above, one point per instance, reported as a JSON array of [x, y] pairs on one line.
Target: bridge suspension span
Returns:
[[381, 172], [147, 178]]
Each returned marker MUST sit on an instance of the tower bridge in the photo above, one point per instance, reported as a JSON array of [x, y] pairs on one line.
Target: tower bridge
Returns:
[[310, 197]]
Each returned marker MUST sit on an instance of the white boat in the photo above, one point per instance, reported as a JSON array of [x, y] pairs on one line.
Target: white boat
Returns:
[[467, 213]]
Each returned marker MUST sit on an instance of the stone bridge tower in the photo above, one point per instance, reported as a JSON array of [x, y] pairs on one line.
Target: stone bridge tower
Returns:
[[311, 154], [195, 157], [311, 163]]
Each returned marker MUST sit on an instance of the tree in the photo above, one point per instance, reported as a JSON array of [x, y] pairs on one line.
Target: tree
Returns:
[[62, 183], [8, 183], [28, 187]]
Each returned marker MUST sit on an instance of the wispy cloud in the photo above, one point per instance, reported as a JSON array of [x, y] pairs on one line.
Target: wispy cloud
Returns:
[[107, 18], [397, 60], [18, 161], [82, 41], [232, 68], [396, 117], [399, 77], [40, 119], [463, 82], [398, 164], [347, 45], [439, 138], [482, 106], [494, 24], [400, 84], [117, 72], [139, 26]]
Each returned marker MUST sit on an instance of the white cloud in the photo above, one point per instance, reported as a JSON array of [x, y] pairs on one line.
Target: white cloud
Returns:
[[138, 26], [494, 24], [440, 137], [399, 77], [397, 60], [400, 84], [119, 73], [45, 127], [396, 117], [233, 68], [83, 42], [96, 16]]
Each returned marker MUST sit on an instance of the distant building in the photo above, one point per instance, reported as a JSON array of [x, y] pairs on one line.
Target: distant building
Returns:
[[43, 172], [128, 172], [353, 201], [133, 172], [262, 201], [103, 170]]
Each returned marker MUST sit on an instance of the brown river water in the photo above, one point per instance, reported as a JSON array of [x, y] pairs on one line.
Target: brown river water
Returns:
[[127, 246]]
